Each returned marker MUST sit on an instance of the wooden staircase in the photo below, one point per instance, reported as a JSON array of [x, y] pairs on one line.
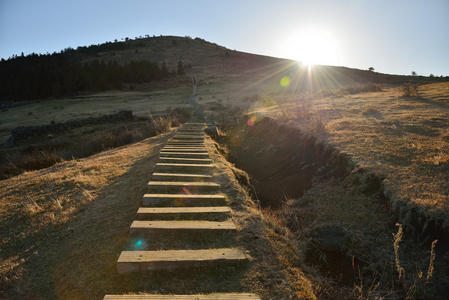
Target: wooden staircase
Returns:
[[182, 200]]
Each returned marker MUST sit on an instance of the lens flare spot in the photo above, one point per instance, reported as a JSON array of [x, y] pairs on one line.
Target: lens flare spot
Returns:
[[285, 81], [186, 190], [138, 243], [251, 121]]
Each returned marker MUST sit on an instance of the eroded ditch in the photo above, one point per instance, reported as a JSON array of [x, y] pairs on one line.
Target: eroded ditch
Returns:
[[284, 163]]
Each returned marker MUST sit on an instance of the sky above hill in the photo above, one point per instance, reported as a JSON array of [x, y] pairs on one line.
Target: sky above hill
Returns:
[[392, 36]]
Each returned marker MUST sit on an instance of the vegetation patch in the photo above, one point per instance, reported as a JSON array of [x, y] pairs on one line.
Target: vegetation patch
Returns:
[[40, 147], [334, 213]]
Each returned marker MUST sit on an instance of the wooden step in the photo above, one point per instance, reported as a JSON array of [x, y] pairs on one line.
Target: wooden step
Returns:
[[190, 131], [146, 227], [233, 296], [189, 135], [184, 154], [180, 135], [169, 145], [180, 177], [151, 213], [172, 142], [183, 200], [185, 160], [135, 261], [202, 151], [184, 149], [193, 125], [184, 142], [179, 186], [175, 140], [186, 138], [184, 167]]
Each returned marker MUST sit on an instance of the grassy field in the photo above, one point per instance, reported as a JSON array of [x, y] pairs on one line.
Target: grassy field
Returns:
[[396, 145], [142, 103], [64, 227], [403, 140]]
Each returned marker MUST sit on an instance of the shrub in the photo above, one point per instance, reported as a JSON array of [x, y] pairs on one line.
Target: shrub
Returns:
[[162, 124], [39, 159], [410, 89]]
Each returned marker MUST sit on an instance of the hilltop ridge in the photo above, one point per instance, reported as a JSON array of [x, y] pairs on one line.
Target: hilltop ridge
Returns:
[[169, 60]]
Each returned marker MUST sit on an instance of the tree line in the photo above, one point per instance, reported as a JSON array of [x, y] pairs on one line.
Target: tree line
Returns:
[[62, 74]]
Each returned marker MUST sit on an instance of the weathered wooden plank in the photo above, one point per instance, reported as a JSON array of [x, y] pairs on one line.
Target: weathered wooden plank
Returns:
[[144, 227], [190, 131], [182, 184], [135, 261], [184, 167], [178, 186], [186, 140], [186, 143], [189, 135], [184, 154], [180, 177], [184, 146], [211, 213], [149, 211], [185, 160], [193, 124], [183, 200], [233, 296], [185, 149]]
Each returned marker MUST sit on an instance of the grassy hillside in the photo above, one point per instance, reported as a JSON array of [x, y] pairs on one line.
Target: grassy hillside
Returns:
[[325, 148]]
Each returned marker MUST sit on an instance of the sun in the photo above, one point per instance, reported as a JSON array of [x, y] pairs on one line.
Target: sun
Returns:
[[312, 46]]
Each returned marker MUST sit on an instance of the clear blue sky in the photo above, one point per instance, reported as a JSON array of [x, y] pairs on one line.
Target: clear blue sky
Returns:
[[393, 36]]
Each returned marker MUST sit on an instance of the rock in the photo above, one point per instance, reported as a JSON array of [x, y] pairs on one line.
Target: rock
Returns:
[[331, 238]]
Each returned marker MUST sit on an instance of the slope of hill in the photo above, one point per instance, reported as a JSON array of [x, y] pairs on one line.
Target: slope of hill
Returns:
[[326, 148], [119, 65]]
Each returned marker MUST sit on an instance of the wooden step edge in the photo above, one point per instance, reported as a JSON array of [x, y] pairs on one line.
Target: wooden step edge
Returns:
[[206, 213], [135, 261], [177, 200], [181, 175], [184, 147], [188, 135], [186, 155], [186, 160], [182, 184], [184, 210], [220, 296], [193, 154], [183, 196], [193, 226], [175, 165]]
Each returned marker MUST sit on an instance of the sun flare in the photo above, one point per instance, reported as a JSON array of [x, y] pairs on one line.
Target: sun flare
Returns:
[[312, 46]]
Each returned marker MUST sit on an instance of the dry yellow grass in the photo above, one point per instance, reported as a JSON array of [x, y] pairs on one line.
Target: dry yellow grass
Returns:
[[95, 105], [62, 227], [404, 140]]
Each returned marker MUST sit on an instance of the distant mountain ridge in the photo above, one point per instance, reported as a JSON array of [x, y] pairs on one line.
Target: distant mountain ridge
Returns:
[[113, 65]]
